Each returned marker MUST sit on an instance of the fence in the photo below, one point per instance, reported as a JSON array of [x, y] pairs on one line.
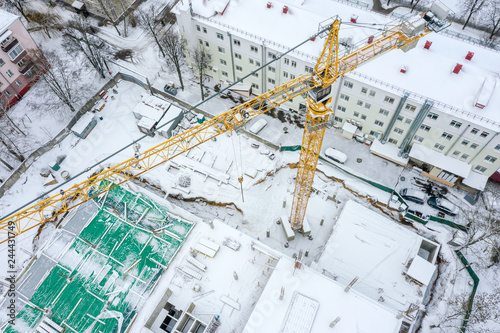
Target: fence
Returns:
[[470, 302]]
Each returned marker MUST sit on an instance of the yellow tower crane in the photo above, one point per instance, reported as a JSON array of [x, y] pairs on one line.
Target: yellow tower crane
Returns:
[[317, 86]]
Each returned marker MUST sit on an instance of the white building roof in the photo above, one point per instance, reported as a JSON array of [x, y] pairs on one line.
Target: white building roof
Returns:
[[172, 113], [476, 181], [421, 270], [326, 301], [439, 160], [151, 107], [388, 151], [83, 122], [375, 249], [6, 20]]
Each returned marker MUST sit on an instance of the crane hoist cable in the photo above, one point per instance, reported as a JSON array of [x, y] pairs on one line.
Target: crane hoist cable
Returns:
[[239, 169]]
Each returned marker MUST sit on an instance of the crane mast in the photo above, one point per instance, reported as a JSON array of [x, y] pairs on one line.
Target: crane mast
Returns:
[[318, 88]]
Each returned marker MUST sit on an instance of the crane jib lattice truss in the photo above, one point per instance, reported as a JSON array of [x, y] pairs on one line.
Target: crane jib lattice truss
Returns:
[[317, 86]]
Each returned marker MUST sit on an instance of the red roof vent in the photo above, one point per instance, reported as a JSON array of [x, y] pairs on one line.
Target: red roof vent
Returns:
[[370, 39], [354, 18], [457, 68], [403, 69], [469, 55], [269, 4], [313, 39], [427, 45], [285, 9]]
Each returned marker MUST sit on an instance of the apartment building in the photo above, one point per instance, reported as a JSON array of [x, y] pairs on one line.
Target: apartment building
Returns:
[[431, 108], [15, 41]]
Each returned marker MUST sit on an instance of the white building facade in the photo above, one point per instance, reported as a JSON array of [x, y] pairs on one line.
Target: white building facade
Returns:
[[398, 100]]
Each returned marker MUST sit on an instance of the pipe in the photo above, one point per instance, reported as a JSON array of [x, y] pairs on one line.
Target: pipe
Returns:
[[394, 117]]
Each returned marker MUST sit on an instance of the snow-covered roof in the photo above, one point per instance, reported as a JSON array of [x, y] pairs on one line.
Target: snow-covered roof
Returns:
[[83, 122], [172, 113], [476, 181], [447, 163], [326, 300], [388, 151], [421, 270], [348, 127], [6, 20], [369, 246], [151, 107], [208, 8]]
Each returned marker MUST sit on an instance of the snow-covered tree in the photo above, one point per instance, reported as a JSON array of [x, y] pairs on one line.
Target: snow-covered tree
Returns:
[[471, 7], [106, 9], [150, 21], [20, 6], [201, 60], [48, 22], [79, 38], [174, 51], [493, 18]]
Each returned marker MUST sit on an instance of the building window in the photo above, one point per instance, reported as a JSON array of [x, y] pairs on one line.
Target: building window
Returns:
[[255, 74], [285, 74], [294, 64], [341, 108], [338, 119], [367, 105], [236, 42], [391, 140], [464, 157], [356, 114], [456, 153], [254, 49], [201, 42], [302, 107], [7, 92], [497, 147], [379, 123], [239, 68], [480, 168], [455, 124], [348, 84], [490, 159], [425, 128], [257, 63], [484, 134], [372, 93], [255, 86], [198, 28], [432, 116], [446, 136], [400, 118], [271, 81], [271, 55], [292, 76], [418, 138], [344, 97], [271, 69], [363, 116], [9, 73], [474, 131], [474, 146], [18, 83], [438, 146], [465, 143], [287, 61], [220, 36], [2, 62], [408, 121], [364, 90], [410, 107], [222, 50], [309, 69], [389, 100], [237, 56], [251, 61], [205, 30], [360, 103], [207, 44], [398, 130], [224, 73], [383, 112], [222, 61]]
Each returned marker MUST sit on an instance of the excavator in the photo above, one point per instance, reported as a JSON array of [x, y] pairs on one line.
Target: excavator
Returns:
[[317, 87]]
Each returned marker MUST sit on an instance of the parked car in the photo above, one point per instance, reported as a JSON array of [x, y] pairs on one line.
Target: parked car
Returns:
[[413, 195], [443, 205], [336, 155], [170, 90]]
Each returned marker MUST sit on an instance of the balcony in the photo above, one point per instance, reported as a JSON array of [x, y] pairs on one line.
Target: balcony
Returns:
[[25, 68], [11, 43]]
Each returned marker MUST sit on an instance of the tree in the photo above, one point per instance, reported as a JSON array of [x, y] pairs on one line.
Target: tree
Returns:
[[51, 69], [79, 37], [20, 5], [201, 62], [149, 22], [470, 7], [106, 10], [174, 51], [47, 22], [493, 16]]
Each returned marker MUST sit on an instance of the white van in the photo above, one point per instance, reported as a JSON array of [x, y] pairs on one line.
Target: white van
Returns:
[[258, 126], [336, 155]]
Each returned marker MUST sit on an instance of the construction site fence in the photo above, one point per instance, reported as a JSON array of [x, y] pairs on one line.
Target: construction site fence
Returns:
[[419, 220]]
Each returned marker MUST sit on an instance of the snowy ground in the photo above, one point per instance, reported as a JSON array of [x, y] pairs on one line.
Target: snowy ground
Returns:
[[206, 199]]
